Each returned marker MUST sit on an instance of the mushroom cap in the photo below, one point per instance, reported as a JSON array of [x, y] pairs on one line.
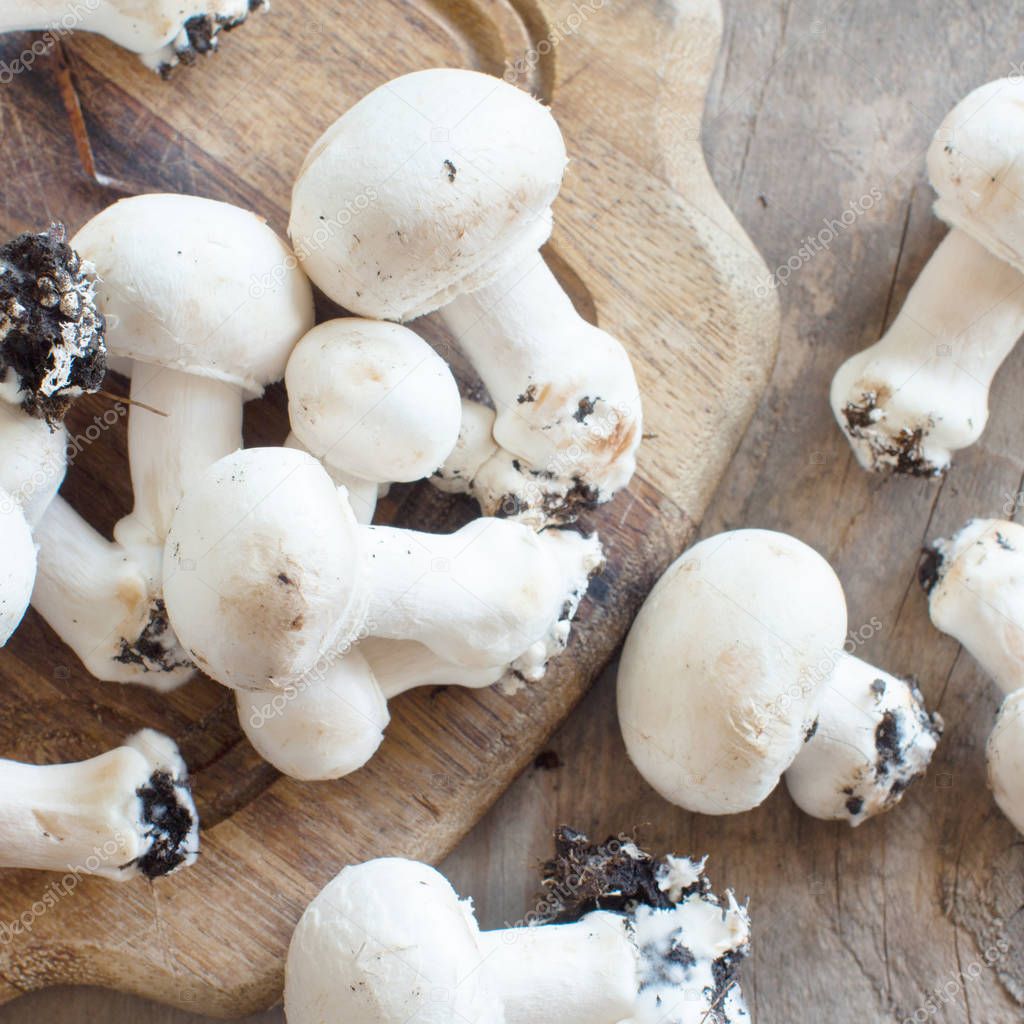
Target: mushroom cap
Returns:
[[719, 675], [872, 739], [1005, 751], [263, 572], [976, 595], [428, 187], [975, 165], [18, 572], [199, 286], [373, 399], [324, 727], [387, 942]]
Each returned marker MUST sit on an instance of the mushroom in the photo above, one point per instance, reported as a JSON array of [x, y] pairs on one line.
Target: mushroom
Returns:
[[975, 587], [162, 32], [434, 192], [266, 569], [921, 393], [206, 302], [19, 565], [641, 940], [331, 722], [735, 672], [51, 353], [125, 814], [373, 401]]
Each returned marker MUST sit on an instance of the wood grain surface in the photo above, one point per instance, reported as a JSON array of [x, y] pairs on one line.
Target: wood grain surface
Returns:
[[647, 248]]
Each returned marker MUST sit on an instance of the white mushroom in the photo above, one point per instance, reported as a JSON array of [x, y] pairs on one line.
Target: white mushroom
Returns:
[[975, 586], [162, 32], [735, 670], [331, 722], [207, 303], [18, 570], [435, 192], [124, 814], [373, 401], [266, 569], [921, 393], [51, 352], [389, 941]]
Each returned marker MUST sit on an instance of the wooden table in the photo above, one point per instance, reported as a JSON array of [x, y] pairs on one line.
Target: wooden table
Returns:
[[818, 107]]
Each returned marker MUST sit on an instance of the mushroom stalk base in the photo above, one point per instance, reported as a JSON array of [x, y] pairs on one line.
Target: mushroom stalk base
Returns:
[[122, 814], [921, 393], [568, 406], [97, 599]]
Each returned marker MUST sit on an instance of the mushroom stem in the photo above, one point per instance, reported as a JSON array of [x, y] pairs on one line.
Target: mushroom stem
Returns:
[[34, 460], [123, 814], [97, 598], [162, 32], [453, 593], [401, 665], [202, 423], [567, 401], [973, 581], [580, 973], [921, 392], [873, 736]]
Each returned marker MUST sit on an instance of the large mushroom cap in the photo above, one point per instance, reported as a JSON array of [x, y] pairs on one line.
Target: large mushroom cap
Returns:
[[18, 568], [975, 165], [719, 675], [428, 187], [263, 571], [387, 942], [199, 286], [373, 399]]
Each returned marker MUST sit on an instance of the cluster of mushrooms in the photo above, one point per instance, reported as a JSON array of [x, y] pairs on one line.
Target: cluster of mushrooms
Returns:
[[261, 567]]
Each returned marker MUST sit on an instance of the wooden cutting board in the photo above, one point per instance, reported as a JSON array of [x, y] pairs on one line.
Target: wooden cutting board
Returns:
[[647, 248]]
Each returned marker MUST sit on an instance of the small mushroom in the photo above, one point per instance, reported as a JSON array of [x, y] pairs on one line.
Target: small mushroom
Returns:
[[975, 587], [920, 394], [644, 940], [735, 672], [204, 304], [162, 32], [266, 569], [434, 192], [52, 352], [331, 722], [124, 814], [373, 401]]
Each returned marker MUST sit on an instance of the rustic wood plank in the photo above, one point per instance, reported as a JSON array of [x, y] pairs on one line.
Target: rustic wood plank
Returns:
[[644, 244]]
